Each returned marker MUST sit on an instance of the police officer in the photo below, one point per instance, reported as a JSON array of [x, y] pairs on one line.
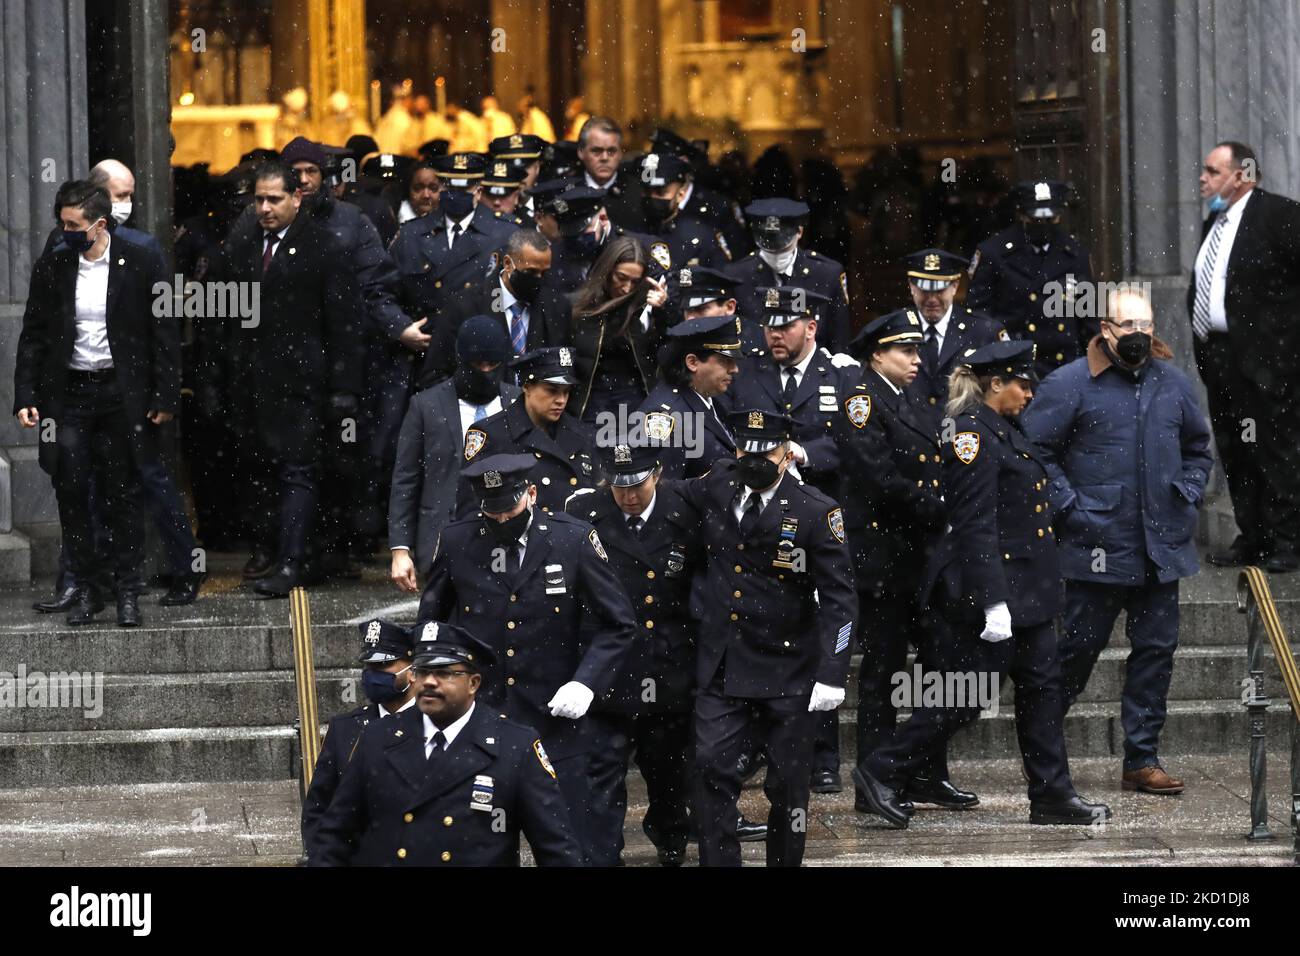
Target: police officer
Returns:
[[683, 413], [1027, 277], [678, 238], [893, 515], [585, 228], [777, 225], [448, 781], [714, 208], [774, 640], [538, 423], [949, 330], [539, 590], [995, 576], [524, 149], [697, 291], [386, 652], [654, 546], [501, 183]]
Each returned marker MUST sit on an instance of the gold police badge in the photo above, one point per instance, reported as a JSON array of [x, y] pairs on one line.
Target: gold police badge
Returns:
[[966, 445], [597, 546], [836, 521], [658, 425], [858, 410], [474, 442], [659, 252], [542, 758]]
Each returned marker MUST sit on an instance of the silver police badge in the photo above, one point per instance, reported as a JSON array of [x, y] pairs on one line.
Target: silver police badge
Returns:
[[372, 632], [858, 410], [492, 479], [623, 454], [684, 278], [771, 298], [430, 632], [836, 521], [474, 442], [659, 252], [659, 426], [597, 546], [566, 356], [772, 224], [561, 207], [966, 445]]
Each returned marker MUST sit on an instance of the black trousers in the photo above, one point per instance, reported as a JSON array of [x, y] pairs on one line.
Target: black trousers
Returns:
[[1032, 659], [783, 727], [383, 406], [1255, 435], [571, 774], [93, 437], [661, 743]]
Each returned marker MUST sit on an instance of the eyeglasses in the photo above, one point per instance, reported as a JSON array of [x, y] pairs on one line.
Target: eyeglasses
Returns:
[[437, 673], [1132, 325]]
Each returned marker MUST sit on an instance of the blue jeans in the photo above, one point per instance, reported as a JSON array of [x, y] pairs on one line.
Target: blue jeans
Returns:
[[1152, 630]]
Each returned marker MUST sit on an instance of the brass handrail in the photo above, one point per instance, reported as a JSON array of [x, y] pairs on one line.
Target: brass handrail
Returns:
[[304, 678], [1255, 599]]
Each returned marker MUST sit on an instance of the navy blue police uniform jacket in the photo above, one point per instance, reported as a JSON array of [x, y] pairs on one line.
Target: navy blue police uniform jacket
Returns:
[[695, 436], [464, 807], [341, 736]]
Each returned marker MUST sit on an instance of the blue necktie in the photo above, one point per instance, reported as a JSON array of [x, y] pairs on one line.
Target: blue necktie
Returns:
[[480, 412], [518, 329]]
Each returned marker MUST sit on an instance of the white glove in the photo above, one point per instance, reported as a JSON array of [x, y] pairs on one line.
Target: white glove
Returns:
[[997, 623], [800, 456], [571, 700], [843, 360], [825, 697]]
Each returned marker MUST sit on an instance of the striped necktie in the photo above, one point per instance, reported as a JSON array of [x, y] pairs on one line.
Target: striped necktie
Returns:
[[518, 329], [1204, 279]]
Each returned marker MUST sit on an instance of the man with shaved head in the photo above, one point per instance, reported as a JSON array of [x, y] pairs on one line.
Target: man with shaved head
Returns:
[[116, 179], [1128, 457]]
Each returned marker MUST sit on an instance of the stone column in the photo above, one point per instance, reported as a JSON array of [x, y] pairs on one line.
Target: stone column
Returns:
[[523, 63]]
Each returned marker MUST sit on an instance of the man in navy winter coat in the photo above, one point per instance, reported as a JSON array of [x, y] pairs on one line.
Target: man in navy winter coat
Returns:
[[1128, 452]]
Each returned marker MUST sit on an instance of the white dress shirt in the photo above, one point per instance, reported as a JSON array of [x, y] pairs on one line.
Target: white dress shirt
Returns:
[[742, 503], [451, 225], [385, 712], [468, 409], [595, 185], [1219, 279], [450, 732], [940, 328], [90, 350], [405, 213]]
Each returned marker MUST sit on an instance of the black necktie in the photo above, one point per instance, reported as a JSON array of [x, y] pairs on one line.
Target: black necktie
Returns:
[[749, 520], [634, 525], [516, 558], [456, 231], [932, 348], [791, 386], [439, 744]]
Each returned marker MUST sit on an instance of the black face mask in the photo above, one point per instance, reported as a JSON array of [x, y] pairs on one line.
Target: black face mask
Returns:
[[1134, 348], [508, 531], [455, 204], [584, 245], [757, 471], [656, 210], [476, 386], [525, 285], [1039, 233]]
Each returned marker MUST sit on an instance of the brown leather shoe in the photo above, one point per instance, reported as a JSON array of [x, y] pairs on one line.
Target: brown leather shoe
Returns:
[[1152, 780]]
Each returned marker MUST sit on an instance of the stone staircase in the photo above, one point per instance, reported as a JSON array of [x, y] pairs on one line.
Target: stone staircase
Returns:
[[206, 693]]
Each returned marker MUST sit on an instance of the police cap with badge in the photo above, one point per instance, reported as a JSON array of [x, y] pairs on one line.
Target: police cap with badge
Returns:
[[700, 285], [499, 481], [574, 209], [524, 146], [460, 170], [758, 430], [560, 158], [553, 364], [932, 270], [902, 327], [1042, 199], [785, 304], [628, 464], [708, 333], [775, 222], [446, 645], [660, 169], [666, 141], [383, 641], [389, 166], [1013, 359], [503, 176]]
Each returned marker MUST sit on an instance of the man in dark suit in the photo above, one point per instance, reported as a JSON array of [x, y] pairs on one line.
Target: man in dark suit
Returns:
[[295, 372], [98, 369], [448, 781], [533, 313], [431, 446], [600, 151], [539, 590], [386, 652], [1243, 301], [949, 330], [654, 546]]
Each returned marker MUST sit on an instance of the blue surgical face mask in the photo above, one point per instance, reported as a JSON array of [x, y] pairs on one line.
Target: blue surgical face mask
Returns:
[[380, 687], [78, 240], [1218, 203]]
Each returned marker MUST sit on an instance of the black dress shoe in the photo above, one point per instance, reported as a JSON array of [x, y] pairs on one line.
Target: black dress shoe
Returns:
[[1281, 562], [183, 590], [939, 793], [1238, 555], [750, 764], [826, 781], [861, 805], [128, 610], [881, 798], [259, 565], [85, 606], [747, 831], [1074, 811], [287, 576], [671, 855], [63, 601]]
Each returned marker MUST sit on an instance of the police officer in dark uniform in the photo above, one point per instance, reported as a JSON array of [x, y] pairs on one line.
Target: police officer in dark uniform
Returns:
[[585, 228], [682, 413], [450, 781], [774, 640], [777, 225], [501, 183], [720, 211], [526, 150], [1027, 277], [949, 330], [537, 588], [995, 576], [386, 652], [894, 514], [698, 292], [653, 541], [678, 238], [539, 424]]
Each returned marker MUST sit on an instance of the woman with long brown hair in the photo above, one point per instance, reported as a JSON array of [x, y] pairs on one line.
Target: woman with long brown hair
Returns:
[[616, 328]]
